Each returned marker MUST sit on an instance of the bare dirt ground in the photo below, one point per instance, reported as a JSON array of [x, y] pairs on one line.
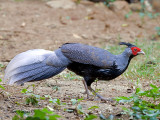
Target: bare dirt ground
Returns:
[[32, 24]]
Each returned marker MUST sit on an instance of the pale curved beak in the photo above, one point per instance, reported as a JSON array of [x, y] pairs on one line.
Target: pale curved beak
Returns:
[[141, 52]]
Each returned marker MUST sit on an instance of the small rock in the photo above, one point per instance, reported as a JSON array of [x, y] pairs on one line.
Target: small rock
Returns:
[[120, 6], [155, 5], [148, 5], [23, 24], [76, 36], [1, 37], [136, 7], [64, 4]]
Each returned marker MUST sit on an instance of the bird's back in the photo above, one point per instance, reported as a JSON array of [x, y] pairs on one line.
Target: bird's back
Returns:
[[86, 54]]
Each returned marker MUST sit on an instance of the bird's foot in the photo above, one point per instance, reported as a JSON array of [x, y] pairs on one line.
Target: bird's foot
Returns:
[[99, 96], [104, 99], [88, 95]]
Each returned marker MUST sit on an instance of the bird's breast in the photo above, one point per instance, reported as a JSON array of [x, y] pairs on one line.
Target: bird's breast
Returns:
[[108, 74], [86, 70]]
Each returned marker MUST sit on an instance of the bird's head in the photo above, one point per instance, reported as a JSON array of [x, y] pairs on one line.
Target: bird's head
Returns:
[[133, 50]]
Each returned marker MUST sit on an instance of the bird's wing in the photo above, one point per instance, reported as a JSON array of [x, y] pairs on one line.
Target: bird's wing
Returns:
[[88, 55], [34, 65]]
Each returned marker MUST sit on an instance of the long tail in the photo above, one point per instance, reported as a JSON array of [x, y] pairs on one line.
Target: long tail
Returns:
[[35, 65]]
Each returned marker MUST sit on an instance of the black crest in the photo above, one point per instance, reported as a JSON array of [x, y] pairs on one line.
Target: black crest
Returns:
[[127, 44]]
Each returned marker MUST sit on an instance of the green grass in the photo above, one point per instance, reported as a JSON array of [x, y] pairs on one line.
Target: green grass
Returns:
[[148, 66]]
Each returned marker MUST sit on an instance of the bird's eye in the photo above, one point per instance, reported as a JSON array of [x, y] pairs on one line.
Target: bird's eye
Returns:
[[135, 49]]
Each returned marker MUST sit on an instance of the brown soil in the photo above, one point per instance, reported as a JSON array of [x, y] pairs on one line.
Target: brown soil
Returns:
[[32, 24]]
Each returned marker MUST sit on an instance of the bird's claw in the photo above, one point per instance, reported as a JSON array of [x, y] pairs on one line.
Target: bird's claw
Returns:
[[105, 99]]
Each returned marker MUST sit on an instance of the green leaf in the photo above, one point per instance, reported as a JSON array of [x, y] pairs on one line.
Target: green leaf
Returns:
[[93, 107], [102, 117], [20, 113], [152, 113], [2, 87], [68, 110], [43, 114], [142, 93], [74, 101], [128, 14], [2, 66], [54, 117], [141, 14], [138, 116], [58, 102], [16, 117], [153, 86], [45, 110], [55, 88], [79, 100], [135, 108], [90, 117], [40, 114], [111, 117], [138, 90], [36, 96], [47, 96], [55, 101], [150, 15], [24, 91], [157, 28], [79, 107], [142, 1], [32, 100], [42, 98], [124, 99], [153, 118]]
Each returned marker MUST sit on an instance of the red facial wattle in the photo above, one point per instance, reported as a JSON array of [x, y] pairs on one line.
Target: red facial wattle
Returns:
[[135, 50]]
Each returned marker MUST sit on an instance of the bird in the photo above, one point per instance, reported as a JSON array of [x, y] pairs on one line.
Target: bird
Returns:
[[87, 61]]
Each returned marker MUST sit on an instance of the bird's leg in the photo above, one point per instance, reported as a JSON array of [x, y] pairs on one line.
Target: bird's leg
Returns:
[[98, 95], [86, 89]]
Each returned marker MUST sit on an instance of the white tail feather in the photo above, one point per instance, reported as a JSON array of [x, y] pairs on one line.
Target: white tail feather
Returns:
[[31, 65]]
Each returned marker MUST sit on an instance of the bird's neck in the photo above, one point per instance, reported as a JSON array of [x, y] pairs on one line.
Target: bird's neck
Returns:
[[123, 61]]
